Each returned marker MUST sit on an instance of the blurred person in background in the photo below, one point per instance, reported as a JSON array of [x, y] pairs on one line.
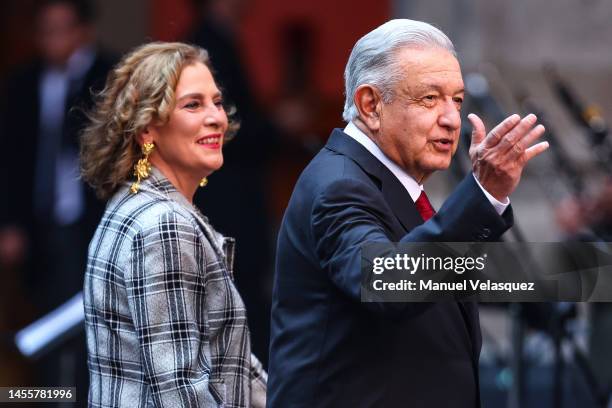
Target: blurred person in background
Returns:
[[50, 212], [49, 215], [580, 217], [236, 197], [589, 218], [165, 323]]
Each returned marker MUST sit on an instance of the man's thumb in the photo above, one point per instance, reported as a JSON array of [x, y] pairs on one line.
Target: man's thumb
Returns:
[[478, 129]]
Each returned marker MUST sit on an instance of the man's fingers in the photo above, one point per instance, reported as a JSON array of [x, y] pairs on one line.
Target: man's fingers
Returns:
[[501, 130], [478, 129], [535, 150], [512, 139], [533, 135]]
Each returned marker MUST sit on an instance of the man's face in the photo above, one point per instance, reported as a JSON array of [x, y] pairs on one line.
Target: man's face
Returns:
[[60, 33], [419, 130]]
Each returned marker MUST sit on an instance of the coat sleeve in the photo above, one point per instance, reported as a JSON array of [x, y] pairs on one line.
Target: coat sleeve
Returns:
[[166, 297], [349, 213], [259, 383]]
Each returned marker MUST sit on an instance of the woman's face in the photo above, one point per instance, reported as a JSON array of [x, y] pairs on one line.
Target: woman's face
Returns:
[[188, 146]]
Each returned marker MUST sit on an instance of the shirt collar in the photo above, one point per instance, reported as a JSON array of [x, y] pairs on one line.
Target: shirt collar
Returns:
[[80, 61], [409, 183]]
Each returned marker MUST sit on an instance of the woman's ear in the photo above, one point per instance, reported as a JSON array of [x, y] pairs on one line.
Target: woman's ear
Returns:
[[368, 103], [145, 136]]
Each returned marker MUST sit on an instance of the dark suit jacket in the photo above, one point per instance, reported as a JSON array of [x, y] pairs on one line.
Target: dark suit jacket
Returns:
[[19, 134], [330, 350]]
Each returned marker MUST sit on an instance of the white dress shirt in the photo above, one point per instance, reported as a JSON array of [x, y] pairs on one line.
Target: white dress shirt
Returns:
[[409, 183], [68, 203]]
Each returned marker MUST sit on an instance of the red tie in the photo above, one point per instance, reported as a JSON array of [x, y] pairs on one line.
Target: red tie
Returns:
[[424, 206]]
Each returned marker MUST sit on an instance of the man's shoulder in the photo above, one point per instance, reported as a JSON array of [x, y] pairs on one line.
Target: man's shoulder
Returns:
[[329, 174], [21, 81], [329, 168]]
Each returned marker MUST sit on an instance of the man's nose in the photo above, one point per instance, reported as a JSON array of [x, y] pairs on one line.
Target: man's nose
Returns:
[[450, 116]]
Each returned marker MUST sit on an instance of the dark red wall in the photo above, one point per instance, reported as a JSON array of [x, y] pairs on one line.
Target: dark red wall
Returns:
[[336, 25]]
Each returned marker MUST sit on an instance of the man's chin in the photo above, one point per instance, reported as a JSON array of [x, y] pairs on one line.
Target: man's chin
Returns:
[[442, 163]]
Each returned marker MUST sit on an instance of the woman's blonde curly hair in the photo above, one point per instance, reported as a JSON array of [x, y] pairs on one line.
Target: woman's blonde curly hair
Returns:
[[139, 90]]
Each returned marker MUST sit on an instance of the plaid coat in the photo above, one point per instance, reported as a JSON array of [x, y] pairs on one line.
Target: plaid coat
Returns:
[[165, 324]]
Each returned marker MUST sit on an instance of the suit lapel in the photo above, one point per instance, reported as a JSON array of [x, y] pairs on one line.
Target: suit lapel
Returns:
[[401, 204], [400, 201], [394, 192]]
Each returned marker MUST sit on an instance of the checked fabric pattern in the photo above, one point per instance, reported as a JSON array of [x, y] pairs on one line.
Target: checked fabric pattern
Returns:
[[165, 324]]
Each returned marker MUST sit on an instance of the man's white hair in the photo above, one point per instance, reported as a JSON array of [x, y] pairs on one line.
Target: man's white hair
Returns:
[[373, 59]]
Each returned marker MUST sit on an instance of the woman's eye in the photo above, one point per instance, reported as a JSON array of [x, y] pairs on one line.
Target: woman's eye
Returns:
[[192, 105], [219, 104]]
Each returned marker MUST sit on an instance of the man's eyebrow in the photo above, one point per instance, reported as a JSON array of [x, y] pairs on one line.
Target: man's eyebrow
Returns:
[[424, 87]]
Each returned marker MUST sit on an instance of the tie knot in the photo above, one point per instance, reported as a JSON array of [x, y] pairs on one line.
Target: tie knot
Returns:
[[424, 207]]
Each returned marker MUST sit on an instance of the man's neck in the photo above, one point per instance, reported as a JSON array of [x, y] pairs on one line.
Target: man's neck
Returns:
[[412, 186], [419, 178]]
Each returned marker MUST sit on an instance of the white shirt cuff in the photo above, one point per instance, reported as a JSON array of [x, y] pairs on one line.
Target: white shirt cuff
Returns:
[[499, 206]]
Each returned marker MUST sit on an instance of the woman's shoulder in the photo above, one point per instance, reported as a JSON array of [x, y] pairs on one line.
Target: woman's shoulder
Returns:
[[150, 220], [146, 210]]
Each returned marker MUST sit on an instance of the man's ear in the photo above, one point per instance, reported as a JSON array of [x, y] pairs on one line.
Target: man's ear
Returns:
[[368, 103]]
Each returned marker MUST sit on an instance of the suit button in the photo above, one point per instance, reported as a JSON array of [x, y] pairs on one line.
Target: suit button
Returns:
[[486, 232]]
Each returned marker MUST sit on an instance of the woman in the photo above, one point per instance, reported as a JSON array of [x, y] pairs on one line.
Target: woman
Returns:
[[165, 325]]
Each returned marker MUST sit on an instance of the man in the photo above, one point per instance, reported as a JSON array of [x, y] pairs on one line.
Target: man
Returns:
[[404, 91], [48, 215], [47, 208]]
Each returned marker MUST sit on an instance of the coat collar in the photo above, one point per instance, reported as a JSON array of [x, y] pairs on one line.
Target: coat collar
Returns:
[[395, 194], [158, 185]]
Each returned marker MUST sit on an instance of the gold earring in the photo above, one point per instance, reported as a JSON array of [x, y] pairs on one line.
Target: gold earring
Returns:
[[203, 182], [143, 167]]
